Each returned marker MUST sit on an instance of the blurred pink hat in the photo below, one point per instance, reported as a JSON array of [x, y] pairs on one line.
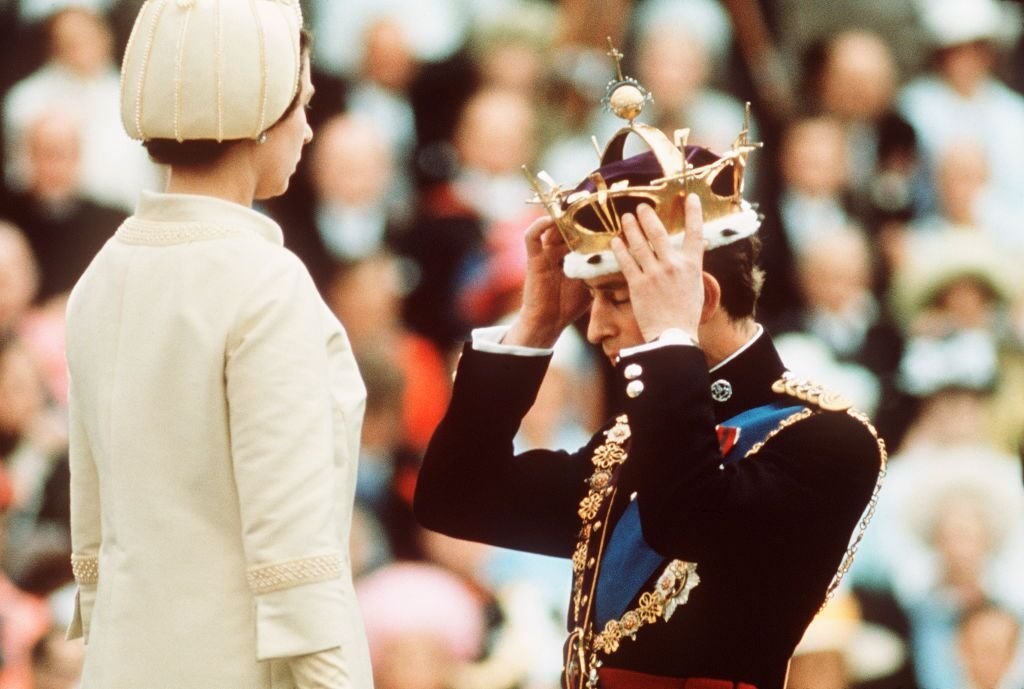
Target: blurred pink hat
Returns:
[[415, 598]]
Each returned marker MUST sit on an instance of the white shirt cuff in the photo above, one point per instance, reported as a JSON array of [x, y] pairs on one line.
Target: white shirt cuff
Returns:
[[672, 336], [489, 340]]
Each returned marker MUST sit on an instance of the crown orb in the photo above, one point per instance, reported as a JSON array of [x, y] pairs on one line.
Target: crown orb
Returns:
[[627, 101]]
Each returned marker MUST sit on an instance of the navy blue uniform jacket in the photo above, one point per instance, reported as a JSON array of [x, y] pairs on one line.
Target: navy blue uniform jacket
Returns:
[[767, 532]]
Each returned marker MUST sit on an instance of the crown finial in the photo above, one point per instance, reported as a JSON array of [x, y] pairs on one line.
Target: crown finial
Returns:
[[625, 97], [616, 55]]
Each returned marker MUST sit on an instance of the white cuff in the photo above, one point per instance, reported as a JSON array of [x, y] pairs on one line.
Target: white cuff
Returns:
[[489, 340], [672, 336]]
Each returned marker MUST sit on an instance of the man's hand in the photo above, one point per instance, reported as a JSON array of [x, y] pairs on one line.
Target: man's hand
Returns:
[[551, 301], [666, 285]]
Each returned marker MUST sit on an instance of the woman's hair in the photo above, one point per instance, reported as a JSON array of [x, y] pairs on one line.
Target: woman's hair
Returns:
[[205, 152]]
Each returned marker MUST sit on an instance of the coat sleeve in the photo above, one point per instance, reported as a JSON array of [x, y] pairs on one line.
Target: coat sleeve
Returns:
[[473, 485], [284, 463], [86, 530], [817, 474]]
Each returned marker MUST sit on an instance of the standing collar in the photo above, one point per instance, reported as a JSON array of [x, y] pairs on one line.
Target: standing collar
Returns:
[[208, 210], [744, 379]]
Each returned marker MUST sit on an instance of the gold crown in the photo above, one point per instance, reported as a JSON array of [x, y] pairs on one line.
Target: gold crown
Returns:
[[589, 219]]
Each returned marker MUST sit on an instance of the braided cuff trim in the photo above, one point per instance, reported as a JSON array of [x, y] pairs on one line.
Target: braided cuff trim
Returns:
[[285, 575], [86, 569]]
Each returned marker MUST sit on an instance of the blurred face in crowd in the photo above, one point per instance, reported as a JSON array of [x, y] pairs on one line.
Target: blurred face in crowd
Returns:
[[81, 41], [813, 157], [967, 303], [962, 175], [277, 158], [21, 391], [673, 65], [18, 277], [966, 67], [515, 66], [859, 77], [988, 642], [54, 156], [366, 297], [387, 58], [835, 271], [962, 538], [496, 132], [348, 143]]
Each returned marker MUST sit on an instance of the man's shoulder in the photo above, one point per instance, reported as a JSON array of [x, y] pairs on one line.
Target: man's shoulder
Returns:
[[829, 429]]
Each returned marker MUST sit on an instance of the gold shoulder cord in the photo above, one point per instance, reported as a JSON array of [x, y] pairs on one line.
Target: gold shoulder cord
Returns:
[[828, 401]]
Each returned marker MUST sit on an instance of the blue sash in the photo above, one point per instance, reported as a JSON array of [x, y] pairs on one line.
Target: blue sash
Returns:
[[628, 561]]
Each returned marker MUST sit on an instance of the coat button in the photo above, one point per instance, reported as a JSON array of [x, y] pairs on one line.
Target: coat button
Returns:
[[633, 371], [634, 389]]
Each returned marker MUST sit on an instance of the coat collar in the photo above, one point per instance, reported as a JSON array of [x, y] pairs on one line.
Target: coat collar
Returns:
[[210, 211], [744, 380]]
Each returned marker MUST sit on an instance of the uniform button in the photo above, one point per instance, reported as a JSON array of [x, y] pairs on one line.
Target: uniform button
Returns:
[[597, 525], [634, 389], [633, 371]]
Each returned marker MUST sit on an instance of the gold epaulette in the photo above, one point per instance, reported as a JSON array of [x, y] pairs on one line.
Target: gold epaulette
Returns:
[[810, 392]]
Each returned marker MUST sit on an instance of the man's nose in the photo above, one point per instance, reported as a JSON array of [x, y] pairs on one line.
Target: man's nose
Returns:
[[599, 326]]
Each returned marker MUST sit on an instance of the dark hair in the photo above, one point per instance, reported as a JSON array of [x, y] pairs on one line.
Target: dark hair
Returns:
[[736, 268], [206, 152]]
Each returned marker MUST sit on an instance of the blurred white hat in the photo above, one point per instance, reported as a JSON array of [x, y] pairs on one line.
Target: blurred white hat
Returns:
[[210, 69], [956, 22], [869, 651]]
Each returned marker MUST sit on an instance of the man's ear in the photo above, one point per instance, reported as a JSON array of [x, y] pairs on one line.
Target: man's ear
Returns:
[[712, 297]]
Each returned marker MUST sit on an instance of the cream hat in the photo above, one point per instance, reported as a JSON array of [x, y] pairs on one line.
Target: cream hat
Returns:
[[210, 69]]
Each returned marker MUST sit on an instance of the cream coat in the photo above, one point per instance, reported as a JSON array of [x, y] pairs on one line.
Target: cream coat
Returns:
[[215, 418]]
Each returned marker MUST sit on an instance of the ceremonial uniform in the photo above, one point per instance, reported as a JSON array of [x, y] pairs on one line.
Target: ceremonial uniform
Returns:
[[705, 521]]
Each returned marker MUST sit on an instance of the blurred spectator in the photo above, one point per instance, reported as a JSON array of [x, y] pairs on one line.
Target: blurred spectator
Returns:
[[811, 199], [842, 315], [381, 94], [353, 213], [56, 662], [19, 278], [966, 524], [852, 76], [24, 618], [513, 50], [421, 622], [990, 649], [522, 637], [432, 30], [963, 101], [33, 451], [64, 229], [677, 46], [964, 201], [839, 649], [366, 297], [495, 136], [80, 77]]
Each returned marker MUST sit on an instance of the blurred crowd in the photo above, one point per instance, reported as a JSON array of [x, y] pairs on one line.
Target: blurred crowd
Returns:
[[892, 188]]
